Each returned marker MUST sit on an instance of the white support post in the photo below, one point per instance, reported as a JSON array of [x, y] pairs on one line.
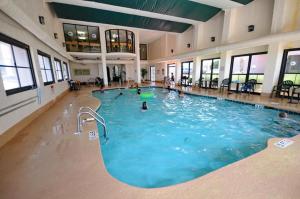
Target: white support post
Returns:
[[224, 66], [102, 67], [178, 71], [196, 69], [137, 59], [228, 15], [272, 70]]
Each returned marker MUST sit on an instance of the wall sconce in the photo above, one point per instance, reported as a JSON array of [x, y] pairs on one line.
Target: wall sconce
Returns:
[[42, 20], [188, 45], [213, 39], [172, 51], [251, 28], [55, 35]]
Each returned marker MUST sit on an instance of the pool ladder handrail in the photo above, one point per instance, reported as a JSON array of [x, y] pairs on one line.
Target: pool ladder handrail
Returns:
[[94, 115]]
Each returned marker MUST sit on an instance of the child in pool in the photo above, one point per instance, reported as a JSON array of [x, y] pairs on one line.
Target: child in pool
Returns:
[[138, 91], [144, 106], [180, 94]]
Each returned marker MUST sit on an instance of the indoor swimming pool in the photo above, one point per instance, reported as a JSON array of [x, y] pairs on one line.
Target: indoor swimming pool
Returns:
[[180, 139]]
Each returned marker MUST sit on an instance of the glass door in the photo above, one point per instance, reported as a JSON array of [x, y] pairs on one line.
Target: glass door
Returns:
[[209, 73], [171, 71], [245, 68], [186, 73], [152, 73]]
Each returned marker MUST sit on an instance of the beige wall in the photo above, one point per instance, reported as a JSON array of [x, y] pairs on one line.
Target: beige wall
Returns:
[[94, 71], [212, 28], [47, 94], [290, 20], [36, 8], [258, 13]]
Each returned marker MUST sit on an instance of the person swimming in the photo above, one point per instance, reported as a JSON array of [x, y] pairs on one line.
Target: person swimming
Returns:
[[144, 106], [138, 91], [283, 115], [119, 95], [180, 93]]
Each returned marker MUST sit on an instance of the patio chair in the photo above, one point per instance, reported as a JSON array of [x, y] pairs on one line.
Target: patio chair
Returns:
[[296, 91], [224, 84], [284, 88], [73, 86], [214, 83], [249, 86]]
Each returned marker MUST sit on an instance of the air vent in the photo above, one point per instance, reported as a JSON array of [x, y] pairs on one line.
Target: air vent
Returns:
[[251, 28], [42, 20]]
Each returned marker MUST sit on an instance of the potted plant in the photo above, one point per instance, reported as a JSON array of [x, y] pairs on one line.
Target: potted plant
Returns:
[[144, 72]]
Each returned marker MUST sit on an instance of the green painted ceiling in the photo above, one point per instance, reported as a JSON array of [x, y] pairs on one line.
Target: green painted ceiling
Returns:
[[67, 11], [180, 8], [243, 1]]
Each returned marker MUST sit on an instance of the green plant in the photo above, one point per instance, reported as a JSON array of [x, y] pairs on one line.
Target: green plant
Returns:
[[144, 72]]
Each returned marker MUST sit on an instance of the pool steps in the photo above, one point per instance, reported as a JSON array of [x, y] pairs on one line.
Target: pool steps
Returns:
[[88, 111]]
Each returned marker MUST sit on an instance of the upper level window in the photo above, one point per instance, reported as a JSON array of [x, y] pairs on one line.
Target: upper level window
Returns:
[[65, 71], [58, 69], [118, 40], [143, 51], [46, 68], [81, 38], [15, 66]]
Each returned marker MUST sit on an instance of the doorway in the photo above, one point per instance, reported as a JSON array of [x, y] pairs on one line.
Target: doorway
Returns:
[[171, 71], [152, 73]]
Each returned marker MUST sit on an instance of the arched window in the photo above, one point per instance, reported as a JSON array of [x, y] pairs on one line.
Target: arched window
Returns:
[[118, 40]]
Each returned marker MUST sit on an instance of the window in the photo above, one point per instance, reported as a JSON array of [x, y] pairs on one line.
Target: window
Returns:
[[290, 69], [186, 73], [80, 38], [118, 40], [58, 69], [143, 51], [209, 72], [15, 66], [46, 68], [65, 71], [248, 67]]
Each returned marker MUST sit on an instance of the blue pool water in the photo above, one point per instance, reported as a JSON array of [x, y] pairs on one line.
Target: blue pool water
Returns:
[[178, 140]]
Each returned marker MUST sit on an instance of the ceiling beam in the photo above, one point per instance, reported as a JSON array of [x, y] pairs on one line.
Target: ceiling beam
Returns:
[[130, 11], [223, 4]]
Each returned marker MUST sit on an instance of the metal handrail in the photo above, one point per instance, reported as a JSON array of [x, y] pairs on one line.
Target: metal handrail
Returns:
[[86, 107], [97, 119]]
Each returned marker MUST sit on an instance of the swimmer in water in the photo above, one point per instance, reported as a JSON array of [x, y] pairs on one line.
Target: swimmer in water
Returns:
[[180, 94], [144, 106], [283, 115], [138, 91], [119, 95]]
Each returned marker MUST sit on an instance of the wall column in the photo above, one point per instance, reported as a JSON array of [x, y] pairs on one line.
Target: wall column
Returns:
[[224, 66], [102, 67], [137, 58], [177, 71], [272, 70], [196, 69]]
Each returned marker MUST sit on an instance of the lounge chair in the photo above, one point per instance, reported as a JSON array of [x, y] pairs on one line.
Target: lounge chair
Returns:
[[296, 91], [224, 84], [284, 88], [249, 86], [214, 83]]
